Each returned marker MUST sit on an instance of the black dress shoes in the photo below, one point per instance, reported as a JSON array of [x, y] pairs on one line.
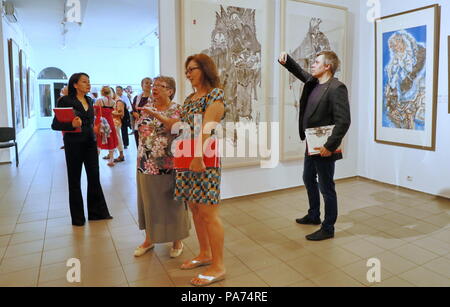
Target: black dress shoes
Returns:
[[100, 219], [320, 235], [79, 224], [308, 221]]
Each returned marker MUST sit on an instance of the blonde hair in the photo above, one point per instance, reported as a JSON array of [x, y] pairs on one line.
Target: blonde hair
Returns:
[[106, 91]]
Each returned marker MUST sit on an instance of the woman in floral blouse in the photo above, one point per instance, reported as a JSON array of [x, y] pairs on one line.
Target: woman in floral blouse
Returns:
[[163, 218]]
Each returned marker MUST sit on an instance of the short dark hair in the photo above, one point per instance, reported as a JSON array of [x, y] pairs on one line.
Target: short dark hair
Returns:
[[119, 87], [142, 82], [332, 59], [74, 80]]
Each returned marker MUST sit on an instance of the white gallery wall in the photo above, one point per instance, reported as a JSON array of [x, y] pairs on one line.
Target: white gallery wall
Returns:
[[430, 171], [15, 32], [253, 180], [103, 65]]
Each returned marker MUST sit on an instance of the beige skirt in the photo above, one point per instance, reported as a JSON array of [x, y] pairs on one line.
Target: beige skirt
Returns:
[[165, 219]]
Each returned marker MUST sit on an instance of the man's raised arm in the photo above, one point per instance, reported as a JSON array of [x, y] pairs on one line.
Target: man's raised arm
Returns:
[[293, 67]]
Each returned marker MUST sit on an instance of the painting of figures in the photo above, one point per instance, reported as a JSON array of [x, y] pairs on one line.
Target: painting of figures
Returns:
[[308, 28], [407, 53], [236, 35]]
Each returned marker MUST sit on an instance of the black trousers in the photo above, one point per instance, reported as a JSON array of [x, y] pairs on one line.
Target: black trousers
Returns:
[[136, 138], [125, 125], [81, 153], [322, 169]]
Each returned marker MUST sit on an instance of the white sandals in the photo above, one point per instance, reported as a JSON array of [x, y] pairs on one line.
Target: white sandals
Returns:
[[175, 252], [140, 251]]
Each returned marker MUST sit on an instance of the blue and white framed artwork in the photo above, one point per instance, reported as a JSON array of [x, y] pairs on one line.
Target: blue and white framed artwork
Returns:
[[407, 55]]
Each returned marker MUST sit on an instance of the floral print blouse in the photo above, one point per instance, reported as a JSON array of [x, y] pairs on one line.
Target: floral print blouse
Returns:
[[154, 152]]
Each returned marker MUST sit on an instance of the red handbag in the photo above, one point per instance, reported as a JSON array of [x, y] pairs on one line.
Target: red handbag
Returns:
[[184, 154]]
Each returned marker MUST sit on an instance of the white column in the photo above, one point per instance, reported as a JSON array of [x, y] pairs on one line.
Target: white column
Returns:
[[169, 41]]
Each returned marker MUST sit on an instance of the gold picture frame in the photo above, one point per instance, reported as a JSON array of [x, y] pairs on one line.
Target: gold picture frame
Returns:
[[24, 87], [14, 77]]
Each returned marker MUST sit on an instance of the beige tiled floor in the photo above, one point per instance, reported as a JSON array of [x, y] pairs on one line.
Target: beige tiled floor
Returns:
[[407, 231]]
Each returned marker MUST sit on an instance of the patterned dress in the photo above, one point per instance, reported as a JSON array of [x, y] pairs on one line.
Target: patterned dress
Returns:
[[202, 188], [154, 152]]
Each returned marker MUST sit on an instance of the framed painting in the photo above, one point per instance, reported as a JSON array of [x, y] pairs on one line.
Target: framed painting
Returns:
[[238, 35], [307, 28], [14, 73], [406, 67], [31, 82], [24, 88]]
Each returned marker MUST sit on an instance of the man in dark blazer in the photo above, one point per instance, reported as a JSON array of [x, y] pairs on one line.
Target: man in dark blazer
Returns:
[[324, 102]]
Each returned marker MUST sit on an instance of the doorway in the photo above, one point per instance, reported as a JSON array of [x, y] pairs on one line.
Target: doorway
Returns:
[[51, 81], [49, 93]]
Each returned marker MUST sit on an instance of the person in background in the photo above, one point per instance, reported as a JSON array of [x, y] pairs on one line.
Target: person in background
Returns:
[[126, 116], [64, 92], [129, 91], [117, 118], [81, 149], [123, 95], [94, 94], [113, 95], [163, 218], [107, 136], [139, 102]]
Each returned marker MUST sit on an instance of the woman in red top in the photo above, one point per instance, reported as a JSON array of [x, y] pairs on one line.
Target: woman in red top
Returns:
[[106, 135]]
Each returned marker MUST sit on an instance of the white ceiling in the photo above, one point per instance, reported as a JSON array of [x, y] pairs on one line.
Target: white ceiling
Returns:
[[105, 23]]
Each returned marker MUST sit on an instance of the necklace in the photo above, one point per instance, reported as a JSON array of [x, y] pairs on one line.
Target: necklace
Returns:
[[162, 107], [84, 103]]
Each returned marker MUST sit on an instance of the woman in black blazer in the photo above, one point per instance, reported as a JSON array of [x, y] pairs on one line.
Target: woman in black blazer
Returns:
[[81, 148]]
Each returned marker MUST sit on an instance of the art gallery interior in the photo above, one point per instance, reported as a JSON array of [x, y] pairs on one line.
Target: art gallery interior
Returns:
[[393, 189]]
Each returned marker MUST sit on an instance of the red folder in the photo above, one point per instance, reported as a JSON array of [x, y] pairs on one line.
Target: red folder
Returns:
[[66, 115], [184, 154]]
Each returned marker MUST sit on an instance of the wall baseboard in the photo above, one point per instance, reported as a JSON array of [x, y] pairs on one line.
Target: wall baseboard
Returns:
[[301, 187], [401, 188], [342, 180]]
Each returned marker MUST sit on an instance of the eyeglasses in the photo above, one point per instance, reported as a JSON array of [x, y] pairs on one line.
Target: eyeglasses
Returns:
[[191, 69], [160, 86]]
